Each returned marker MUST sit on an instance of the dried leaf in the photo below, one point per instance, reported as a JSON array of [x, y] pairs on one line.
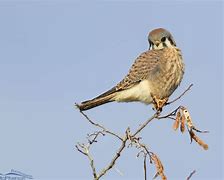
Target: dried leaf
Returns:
[[188, 118], [198, 140], [182, 125], [177, 121], [159, 167]]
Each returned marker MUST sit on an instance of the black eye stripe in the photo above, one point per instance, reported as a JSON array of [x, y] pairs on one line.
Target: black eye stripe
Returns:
[[164, 44], [163, 39], [150, 44], [170, 40]]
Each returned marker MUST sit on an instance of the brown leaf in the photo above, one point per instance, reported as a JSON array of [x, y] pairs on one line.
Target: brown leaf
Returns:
[[187, 116], [182, 125], [198, 140], [159, 167], [177, 121]]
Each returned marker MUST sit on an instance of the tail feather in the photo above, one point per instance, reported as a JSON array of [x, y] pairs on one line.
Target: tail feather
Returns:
[[95, 102]]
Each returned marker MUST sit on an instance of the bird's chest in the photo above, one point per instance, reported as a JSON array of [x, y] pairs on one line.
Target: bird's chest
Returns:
[[168, 77]]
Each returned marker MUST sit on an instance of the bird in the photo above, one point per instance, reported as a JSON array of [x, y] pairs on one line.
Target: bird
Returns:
[[153, 77]]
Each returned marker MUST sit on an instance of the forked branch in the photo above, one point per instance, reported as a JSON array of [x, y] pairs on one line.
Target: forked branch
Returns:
[[130, 139]]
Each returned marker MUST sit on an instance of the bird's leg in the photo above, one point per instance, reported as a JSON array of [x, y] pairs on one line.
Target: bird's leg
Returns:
[[158, 103]]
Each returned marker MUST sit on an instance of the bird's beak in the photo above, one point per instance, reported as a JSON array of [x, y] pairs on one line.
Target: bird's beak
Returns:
[[157, 43]]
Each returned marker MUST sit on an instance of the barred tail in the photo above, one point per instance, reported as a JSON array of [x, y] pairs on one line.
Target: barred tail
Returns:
[[95, 102]]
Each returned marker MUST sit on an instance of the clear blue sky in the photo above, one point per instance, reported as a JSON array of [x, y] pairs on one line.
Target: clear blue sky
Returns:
[[55, 53]]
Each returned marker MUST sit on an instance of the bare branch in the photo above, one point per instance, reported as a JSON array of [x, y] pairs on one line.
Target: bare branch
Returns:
[[145, 169], [117, 155], [200, 131], [101, 127], [94, 135], [191, 174], [170, 115], [84, 149], [180, 95], [135, 141], [156, 115], [81, 151], [92, 165]]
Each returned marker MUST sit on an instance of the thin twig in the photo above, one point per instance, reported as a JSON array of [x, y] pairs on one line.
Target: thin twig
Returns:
[[145, 168], [173, 113], [117, 155], [200, 131], [124, 140], [152, 157], [180, 95], [191, 174], [77, 147], [145, 124], [100, 126], [85, 151], [92, 165], [95, 136]]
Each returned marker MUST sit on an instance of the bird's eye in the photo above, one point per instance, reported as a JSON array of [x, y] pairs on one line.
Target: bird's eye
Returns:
[[163, 39]]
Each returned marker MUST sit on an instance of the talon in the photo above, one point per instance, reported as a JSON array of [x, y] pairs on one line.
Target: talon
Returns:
[[159, 103]]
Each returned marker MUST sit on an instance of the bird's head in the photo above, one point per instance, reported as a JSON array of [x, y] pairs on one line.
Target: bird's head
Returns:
[[160, 38]]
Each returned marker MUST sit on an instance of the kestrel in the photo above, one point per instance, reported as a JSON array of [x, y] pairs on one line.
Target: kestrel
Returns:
[[152, 78]]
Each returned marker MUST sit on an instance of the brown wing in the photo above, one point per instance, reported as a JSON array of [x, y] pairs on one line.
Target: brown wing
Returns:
[[143, 66]]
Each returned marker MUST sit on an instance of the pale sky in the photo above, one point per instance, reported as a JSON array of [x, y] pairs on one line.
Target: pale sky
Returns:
[[56, 53]]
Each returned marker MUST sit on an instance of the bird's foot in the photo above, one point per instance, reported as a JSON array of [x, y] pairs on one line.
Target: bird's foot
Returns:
[[159, 103]]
